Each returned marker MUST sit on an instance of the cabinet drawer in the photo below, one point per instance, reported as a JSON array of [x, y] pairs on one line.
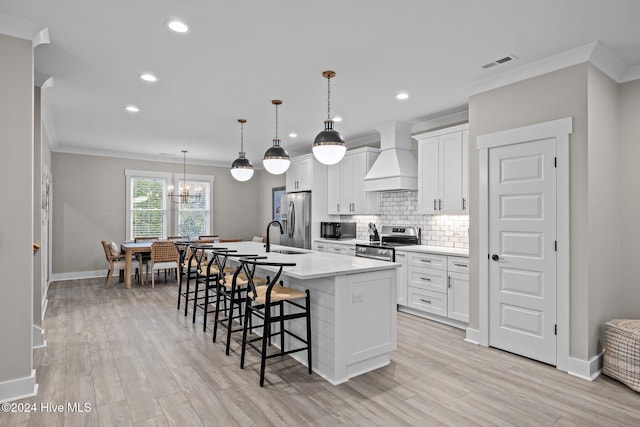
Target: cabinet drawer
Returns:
[[321, 247], [428, 260], [433, 302], [428, 279], [338, 249], [459, 264]]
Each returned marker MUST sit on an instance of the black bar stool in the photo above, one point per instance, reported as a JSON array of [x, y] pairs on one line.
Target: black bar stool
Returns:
[[208, 276], [232, 290], [190, 266], [261, 300]]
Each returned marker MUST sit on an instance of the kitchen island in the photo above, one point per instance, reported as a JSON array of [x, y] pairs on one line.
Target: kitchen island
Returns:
[[353, 308]]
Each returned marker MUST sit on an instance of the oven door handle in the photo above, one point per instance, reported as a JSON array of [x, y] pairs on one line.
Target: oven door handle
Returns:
[[381, 258]]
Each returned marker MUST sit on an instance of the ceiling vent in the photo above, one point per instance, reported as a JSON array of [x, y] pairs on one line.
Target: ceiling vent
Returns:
[[499, 61]]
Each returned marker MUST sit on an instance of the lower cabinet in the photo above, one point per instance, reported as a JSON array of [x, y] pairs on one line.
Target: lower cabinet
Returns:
[[335, 248], [437, 284], [402, 259]]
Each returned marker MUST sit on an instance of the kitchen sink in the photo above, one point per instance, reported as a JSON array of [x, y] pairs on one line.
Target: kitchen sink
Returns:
[[288, 252]]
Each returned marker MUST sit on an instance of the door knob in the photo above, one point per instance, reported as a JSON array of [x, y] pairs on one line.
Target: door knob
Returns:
[[495, 257]]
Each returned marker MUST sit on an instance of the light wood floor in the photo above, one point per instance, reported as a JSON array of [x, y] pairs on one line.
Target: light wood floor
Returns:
[[138, 361]]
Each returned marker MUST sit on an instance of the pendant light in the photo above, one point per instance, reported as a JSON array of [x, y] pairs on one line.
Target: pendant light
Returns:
[[242, 169], [329, 146], [276, 159]]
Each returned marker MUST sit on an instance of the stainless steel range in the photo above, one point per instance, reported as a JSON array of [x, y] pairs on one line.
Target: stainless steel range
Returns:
[[391, 236]]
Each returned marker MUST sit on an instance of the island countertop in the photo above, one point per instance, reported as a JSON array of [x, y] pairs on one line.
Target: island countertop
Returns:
[[312, 264]]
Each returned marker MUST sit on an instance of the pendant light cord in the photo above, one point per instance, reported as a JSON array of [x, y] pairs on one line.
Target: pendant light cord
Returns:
[[242, 137], [276, 121], [328, 98]]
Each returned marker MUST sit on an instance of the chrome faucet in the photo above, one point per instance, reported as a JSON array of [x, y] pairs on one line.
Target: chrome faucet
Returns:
[[268, 244]]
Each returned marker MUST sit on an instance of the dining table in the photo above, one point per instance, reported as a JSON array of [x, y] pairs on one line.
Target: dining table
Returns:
[[129, 249]]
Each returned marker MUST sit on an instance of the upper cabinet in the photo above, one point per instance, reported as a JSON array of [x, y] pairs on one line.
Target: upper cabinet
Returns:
[[300, 174], [443, 186], [345, 183]]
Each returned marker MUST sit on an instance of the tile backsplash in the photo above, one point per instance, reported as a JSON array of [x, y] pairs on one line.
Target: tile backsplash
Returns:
[[401, 208]]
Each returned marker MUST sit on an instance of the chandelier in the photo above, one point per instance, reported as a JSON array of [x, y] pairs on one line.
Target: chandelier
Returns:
[[184, 195]]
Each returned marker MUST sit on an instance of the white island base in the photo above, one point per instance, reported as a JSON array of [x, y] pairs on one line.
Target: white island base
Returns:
[[353, 323], [353, 309]]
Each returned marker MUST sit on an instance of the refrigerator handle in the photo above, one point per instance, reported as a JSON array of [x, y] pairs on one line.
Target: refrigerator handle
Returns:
[[292, 219]]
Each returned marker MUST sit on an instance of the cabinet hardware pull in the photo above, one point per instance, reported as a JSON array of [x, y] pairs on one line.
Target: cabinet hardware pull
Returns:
[[449, 281], [425, 260], [425, 278], [338, 207], [425, 300], [439, 204], [464, 204], [398, 254], [435, 208], [461, 265]]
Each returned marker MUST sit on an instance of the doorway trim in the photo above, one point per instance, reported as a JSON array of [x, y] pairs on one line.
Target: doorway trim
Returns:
[[560, 130]]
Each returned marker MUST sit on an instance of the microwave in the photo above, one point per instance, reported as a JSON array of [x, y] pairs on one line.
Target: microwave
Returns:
[[338, 230]]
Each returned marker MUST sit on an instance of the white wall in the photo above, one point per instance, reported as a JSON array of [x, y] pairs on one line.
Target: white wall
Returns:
[[16, 217]]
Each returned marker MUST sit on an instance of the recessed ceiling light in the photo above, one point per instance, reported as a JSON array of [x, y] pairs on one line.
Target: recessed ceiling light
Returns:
[[132, 109], [337, 119], [177, 26], [402, 95], [148, 77], [293, 135]]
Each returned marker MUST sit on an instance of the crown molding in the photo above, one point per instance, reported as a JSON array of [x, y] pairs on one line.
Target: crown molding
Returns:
[[595, 53]]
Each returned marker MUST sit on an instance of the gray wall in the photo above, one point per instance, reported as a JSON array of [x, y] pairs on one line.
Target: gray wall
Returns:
[[16, 217], [548, 97], [629, 199], [89, 206], [604, 292], [603, 198]]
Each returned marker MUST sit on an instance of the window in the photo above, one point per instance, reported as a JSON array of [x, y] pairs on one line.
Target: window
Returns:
[[195, 219], [149, 214], [146, 204]]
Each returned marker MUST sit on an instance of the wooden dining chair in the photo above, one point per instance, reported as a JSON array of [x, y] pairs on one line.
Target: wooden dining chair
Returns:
[[116, 261], [233, 239], [164, 256]]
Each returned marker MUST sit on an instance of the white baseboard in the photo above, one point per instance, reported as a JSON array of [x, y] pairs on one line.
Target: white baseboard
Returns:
[[19, 388], [38, 337], [586, 369], [473, 336], [78, 275]]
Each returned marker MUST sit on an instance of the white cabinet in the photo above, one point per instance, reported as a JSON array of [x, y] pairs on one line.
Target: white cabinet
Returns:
[[300, 174], [465, 171], [346, 184], [437, 285], [402, 259], [458, 289], [335, 248], [320, 246], [340, 248], [442, 171]]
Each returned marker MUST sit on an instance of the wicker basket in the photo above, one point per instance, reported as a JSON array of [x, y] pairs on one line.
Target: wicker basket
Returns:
[[622, 352]]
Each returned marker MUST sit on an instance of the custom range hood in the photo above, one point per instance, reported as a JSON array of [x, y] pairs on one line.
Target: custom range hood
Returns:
[[396, 168]]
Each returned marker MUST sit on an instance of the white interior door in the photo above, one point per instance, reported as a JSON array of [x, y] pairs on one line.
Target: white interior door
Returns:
[[522, 244]]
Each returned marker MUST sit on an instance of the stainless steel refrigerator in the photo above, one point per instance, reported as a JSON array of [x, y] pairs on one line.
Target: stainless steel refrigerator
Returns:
[[295, 211]]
